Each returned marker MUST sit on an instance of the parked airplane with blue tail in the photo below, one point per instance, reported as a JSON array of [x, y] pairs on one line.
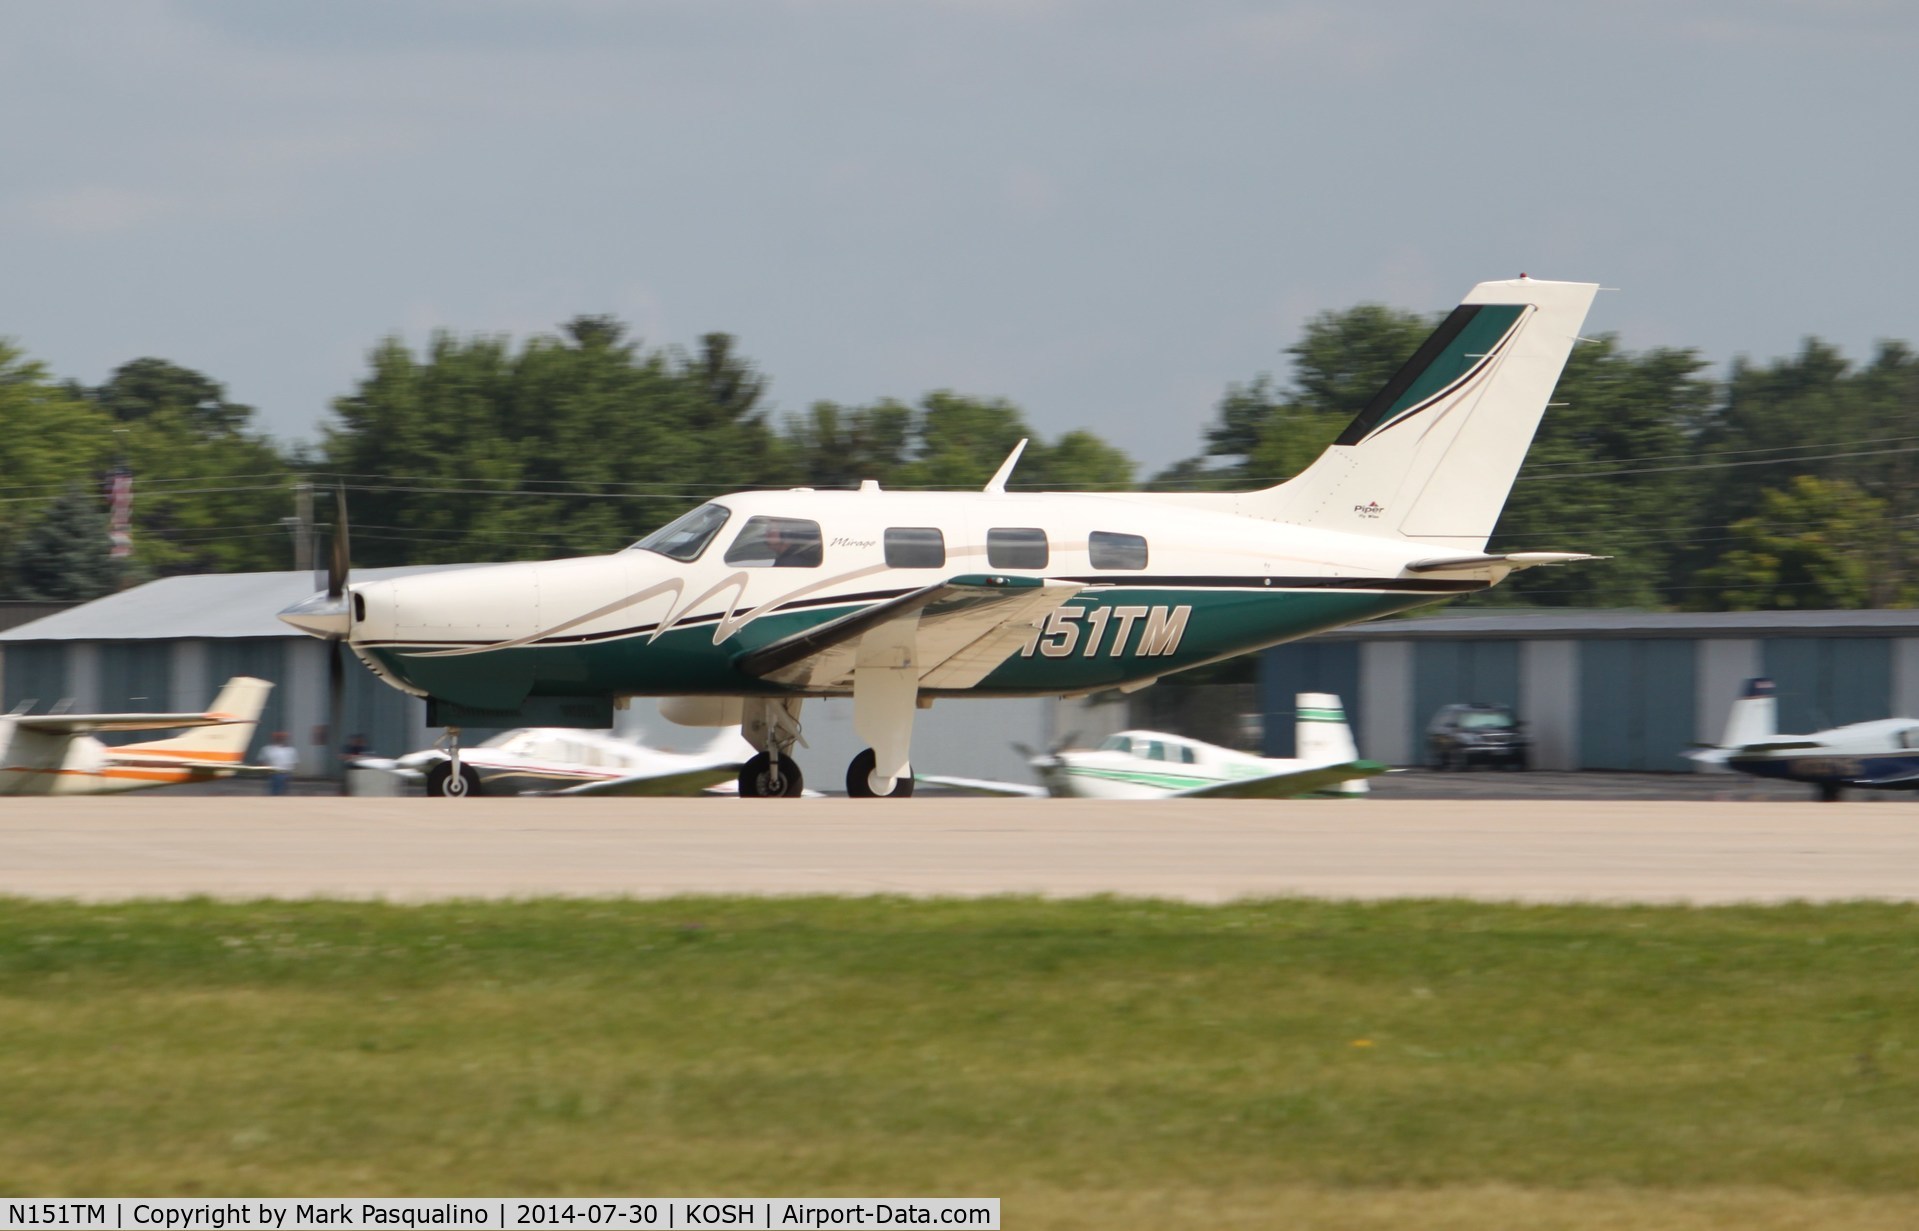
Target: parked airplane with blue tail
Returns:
[[1880, 755]]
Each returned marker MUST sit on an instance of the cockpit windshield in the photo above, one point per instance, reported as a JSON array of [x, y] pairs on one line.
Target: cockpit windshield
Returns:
[[685, 537]]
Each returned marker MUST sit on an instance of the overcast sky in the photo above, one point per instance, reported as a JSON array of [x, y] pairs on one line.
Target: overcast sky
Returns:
[[1104, 210]]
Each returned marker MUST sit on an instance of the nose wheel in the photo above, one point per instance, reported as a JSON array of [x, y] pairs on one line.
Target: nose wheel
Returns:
[[453, 781], [863, 783], [765, 777]]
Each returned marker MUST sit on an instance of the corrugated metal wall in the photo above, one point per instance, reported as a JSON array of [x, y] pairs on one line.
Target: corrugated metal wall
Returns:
[[36, 672], [1829, 681], [1285, 671], [1636, 698], [263, 658], [377, 710], [1448, 671]]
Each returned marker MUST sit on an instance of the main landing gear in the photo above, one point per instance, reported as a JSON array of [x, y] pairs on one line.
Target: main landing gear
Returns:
[[885, 698]]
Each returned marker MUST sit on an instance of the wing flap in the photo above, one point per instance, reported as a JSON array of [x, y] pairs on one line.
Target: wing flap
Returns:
[[964, 627]]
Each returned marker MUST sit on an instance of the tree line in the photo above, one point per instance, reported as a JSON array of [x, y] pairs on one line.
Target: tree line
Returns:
[[1785, 484]]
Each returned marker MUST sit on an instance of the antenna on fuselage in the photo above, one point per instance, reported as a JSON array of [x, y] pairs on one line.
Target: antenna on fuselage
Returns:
[[998, 482]]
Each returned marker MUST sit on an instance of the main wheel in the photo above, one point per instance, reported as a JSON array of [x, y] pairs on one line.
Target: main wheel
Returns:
[[1828, 792], [760, 778], [859, 779], [441, 782]]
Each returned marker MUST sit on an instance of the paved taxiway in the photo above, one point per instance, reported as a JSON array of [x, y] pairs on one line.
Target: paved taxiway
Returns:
[[415, 849]]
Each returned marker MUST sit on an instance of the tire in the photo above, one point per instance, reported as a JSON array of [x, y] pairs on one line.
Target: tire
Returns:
[[1437, 759], [759, 781], [440, 782], [1828, 792], [859, 774]]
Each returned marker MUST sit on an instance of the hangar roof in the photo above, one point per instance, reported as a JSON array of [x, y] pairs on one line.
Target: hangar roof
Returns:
[[1574, 623], [205, 605]]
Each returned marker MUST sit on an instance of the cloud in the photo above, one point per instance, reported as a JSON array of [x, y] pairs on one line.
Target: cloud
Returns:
[[94, 210]]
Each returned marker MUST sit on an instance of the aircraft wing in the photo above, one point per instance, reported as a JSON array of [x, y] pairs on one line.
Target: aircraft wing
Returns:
[[1284, 786], [673, 782], [85, 724], [964, 628], [985, 786]]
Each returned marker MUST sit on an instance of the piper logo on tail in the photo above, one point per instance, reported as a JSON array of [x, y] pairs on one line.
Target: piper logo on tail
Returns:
[[1371, 509]]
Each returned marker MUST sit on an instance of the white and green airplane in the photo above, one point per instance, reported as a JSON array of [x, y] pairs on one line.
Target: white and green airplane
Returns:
[[746, 606]]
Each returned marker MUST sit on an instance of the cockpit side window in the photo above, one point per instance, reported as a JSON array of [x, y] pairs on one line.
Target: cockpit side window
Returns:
[[1909, 738], [686, 536], [1116, 743], [776, 542]]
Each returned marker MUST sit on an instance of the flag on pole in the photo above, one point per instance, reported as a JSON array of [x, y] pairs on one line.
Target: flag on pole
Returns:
[[120, 512]]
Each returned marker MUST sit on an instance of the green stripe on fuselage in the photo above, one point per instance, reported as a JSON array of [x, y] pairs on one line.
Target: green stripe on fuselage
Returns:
[[1221, 623]]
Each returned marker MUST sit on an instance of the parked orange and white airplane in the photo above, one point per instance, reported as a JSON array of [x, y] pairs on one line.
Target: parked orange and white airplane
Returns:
[[56, 754]]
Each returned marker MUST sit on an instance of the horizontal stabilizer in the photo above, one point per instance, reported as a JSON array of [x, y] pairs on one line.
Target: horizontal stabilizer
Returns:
[[86, 724], [1511, 561]]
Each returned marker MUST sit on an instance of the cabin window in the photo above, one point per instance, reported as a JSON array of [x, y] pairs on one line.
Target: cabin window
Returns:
[[1020, 547], [1152, 750], [776, 542], [686, 536], [1110, 550], [1186, 756], [1909, 738], [915, 547]]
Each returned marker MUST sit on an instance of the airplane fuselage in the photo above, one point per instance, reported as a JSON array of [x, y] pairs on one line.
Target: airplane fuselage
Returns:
[[1167, 585]]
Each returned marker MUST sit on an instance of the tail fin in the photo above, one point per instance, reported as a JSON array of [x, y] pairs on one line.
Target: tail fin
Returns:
[[1755, 716], [241, 702], [1432, 457], [1321, 736]]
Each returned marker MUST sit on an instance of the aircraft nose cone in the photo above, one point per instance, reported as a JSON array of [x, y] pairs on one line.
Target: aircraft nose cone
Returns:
[[323, 615]]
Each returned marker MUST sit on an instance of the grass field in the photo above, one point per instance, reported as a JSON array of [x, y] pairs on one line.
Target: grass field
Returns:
[[1095, 1063]]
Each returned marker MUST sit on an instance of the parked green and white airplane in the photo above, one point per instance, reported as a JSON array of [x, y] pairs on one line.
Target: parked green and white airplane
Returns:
[[746, 606]]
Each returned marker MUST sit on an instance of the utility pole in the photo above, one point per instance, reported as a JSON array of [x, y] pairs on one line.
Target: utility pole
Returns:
[[303, 529]]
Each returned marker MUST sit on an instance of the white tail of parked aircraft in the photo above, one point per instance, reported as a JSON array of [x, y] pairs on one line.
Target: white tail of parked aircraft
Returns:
[[57, 754], [1321, 736]]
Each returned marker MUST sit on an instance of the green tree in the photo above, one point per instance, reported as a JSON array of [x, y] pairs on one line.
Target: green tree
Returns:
[[1818, 543], [1603, 476], [1264, 434], [63, 556], [574, 442]]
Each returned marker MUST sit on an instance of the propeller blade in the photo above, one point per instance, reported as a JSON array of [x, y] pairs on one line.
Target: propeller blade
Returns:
[[336, 698], [340, 555]]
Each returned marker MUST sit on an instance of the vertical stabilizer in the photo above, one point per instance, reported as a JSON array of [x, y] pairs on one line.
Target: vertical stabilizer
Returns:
[[1321, 736], [240, 703], [1433, 456], [1755, 716]]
